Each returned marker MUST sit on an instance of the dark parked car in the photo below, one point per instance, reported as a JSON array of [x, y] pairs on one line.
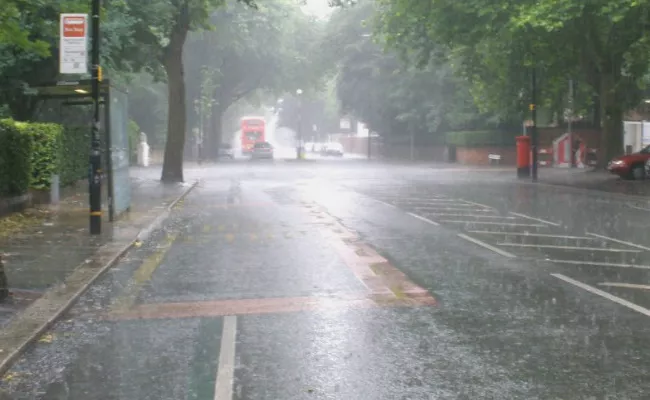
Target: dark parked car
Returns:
[[262, 150], [226, 151]]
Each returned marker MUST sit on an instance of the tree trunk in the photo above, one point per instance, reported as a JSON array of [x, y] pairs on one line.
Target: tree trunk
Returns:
[[177, 114], [214, 132], [611, 143], [173, 163]]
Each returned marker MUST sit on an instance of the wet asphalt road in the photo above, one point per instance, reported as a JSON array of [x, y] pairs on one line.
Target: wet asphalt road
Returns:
[[290, 281]]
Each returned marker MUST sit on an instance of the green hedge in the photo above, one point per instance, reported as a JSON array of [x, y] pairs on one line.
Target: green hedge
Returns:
[[30, 153], [46, 151], [74, 153], [481, 138], [15, 160]]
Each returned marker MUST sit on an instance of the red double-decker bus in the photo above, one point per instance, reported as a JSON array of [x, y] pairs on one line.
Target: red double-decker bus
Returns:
[[252, 131]]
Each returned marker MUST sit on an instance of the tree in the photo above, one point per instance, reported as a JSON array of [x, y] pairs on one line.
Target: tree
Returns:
[[393, 98], [160, 29], [496, 45], [247, 52]]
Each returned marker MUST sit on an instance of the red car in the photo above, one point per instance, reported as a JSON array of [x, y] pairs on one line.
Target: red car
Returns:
[[630, 166]]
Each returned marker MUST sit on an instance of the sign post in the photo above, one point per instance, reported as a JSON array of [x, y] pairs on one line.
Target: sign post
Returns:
[[73, 44], [73, 60]]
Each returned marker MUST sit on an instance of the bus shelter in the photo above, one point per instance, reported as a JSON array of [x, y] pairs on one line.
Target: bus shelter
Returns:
[[69, 103]]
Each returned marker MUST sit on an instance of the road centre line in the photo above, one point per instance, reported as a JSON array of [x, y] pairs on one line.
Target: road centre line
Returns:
[[427, 220], [535, 219], [568, 247], [487, 246], [533, 235], [625, 285], [604, 294], [638, 246], [451, 221], [598, 264], [226, 367]]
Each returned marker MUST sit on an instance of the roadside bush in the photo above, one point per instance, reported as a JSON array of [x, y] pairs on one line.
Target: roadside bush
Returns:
[[45, 156], [73, 154], [480, 138], [15, 159]]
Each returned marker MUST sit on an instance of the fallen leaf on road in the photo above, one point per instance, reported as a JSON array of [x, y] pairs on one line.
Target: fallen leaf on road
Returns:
[[46, 339]]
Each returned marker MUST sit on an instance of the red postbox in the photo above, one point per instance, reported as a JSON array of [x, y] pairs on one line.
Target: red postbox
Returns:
[[523, 156]]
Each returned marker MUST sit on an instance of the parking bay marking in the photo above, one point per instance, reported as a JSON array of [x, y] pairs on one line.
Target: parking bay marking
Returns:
[[421, 218], [452, 221], [598, 264], [535, 219], [604, 294], [487, 246], [471, 216], [546, 246], [547, 235], [638, 246], [450, 209], [625, 285]]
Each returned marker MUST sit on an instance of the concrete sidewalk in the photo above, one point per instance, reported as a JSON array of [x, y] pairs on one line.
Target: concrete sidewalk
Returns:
[[55, 247], [591, 179]]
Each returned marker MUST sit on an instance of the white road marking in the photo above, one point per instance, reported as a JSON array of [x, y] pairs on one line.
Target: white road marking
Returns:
[[386, 204], [638, 246], [452, 221], [427, 220], [478, 204], [546, 246], [638, 208], [487, 246], [454, 203], [472, 215], [625, 285], [598, 264], [450, 209], [533, 234], [535, 219], [604, 294], [226, 368]]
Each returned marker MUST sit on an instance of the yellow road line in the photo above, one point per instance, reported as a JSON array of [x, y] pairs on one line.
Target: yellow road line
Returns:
[[142, 275]]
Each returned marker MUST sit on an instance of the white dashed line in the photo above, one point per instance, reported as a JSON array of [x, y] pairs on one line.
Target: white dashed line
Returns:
[[487, 246], [598, 264], [427, 220], [604, 294], [226, 366], [535, 219], [625, 285], [638, 246], [548, 246]]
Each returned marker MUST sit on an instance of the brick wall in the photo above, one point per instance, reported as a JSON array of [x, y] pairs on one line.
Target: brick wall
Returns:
[[479, 155]]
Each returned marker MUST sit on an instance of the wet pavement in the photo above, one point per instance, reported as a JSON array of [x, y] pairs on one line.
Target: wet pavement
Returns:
[[46, 250], [347, 279]]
